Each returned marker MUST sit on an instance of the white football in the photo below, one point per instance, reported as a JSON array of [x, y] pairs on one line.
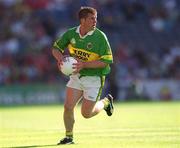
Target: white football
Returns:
[[67, 65]]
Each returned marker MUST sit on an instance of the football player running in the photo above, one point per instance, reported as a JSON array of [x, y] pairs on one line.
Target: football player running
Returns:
[[91, 48]]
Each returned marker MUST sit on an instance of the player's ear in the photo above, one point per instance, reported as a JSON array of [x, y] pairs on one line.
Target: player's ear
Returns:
[[82, 20]]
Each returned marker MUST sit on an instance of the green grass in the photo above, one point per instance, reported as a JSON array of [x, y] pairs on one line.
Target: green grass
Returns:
[[133, 125]]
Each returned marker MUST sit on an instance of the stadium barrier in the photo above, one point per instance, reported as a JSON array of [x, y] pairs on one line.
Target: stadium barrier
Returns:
[[153, 90], [31, 94]]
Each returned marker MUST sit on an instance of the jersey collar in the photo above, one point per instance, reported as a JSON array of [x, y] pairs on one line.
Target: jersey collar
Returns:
[[89, 33]]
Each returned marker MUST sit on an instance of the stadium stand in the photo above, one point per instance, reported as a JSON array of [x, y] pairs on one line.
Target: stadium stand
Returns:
[[144, 35]]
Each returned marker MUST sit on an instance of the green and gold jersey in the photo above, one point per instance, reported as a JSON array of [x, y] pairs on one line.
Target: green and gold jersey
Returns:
[[93, 46]]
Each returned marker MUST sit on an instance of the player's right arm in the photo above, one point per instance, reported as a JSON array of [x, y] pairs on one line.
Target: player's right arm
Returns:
[[57, 55], [58, 48]]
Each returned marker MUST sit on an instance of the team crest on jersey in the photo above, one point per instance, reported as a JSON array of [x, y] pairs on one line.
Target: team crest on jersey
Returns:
[[89, 45], [73, 41]]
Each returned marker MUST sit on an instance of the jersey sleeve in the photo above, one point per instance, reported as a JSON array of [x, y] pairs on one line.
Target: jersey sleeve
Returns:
[[106, 52], [62, 42]]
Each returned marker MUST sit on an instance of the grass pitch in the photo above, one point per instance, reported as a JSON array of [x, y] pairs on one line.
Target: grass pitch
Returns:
[[133, 125]]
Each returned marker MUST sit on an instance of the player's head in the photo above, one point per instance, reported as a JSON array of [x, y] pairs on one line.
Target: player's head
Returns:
[[84, 11], [88, 17]]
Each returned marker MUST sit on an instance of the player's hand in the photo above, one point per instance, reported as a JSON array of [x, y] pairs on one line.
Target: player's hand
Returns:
[[59, 63], [78, 66]]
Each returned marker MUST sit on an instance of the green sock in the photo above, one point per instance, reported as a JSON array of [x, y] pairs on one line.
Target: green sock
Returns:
[[69, 134], [106, 102]]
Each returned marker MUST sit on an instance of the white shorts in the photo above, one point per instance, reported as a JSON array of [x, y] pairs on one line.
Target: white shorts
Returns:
[[90, 85]]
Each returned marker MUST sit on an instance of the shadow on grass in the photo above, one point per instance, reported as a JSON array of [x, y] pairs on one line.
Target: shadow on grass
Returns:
[[31, 146]]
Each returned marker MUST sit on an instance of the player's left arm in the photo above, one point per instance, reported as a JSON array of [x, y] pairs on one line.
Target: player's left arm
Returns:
[[91, 64], [106, 52]]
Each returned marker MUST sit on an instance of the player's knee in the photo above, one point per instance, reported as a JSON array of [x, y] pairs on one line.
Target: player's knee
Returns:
[[86, 114], [68, 108]]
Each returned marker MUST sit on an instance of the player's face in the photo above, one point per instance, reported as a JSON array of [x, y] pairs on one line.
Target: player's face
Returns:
[[90, 21]]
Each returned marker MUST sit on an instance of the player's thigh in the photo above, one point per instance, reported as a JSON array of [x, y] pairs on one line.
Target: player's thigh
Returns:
[[72, 97], [90, 96]]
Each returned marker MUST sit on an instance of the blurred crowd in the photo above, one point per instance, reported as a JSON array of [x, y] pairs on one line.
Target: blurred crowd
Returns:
[[144, 35]]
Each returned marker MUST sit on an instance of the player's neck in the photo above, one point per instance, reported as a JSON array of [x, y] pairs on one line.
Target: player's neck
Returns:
[[83, 31]]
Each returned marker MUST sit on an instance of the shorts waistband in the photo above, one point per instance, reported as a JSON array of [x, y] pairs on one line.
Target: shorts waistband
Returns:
[[80, 76]]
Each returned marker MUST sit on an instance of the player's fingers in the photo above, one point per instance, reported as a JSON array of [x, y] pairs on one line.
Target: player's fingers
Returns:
[[77, 60], [59, 65], [60, 62], [76, 69], [75, 72]]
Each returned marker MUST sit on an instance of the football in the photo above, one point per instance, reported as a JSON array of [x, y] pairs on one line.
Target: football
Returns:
[[67, 65]]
